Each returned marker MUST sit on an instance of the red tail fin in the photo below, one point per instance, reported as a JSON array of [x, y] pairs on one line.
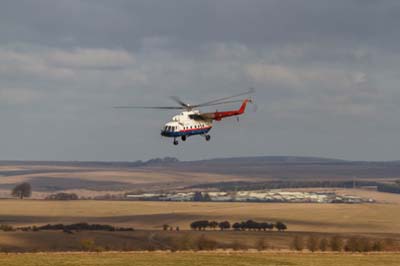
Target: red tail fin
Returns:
[[243, 107]]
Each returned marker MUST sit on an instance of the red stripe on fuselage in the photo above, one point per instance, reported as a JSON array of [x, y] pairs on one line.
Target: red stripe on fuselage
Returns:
[[194, 129]]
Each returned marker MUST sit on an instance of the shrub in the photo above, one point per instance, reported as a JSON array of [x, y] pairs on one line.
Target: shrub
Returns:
[[186, 242], [204, 243], [312, 243], [336, 243], [378, 245], [298, 243], [6, 228], [323, 244], [87, 244], [261, 244], [62, 196], [355, 244], [236, 245]]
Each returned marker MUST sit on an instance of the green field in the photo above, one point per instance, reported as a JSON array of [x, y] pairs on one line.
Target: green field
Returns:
[[193, 259]]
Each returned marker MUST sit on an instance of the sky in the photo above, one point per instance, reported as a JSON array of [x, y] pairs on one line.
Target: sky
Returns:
[[326, 75]]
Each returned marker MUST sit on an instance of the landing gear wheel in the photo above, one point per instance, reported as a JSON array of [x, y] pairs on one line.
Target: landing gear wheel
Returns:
[[208, 137], [175, 142], [183, 138]]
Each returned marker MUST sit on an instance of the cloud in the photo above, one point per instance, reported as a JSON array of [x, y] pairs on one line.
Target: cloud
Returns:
[[315, 65], [16, 96], [90, 58], [304, 76]]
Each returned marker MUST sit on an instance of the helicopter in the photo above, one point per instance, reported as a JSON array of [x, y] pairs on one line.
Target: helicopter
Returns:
[[191, 121]]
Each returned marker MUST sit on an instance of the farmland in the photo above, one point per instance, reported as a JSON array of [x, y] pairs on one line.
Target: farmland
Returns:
[[189, 258], [375, 221], [379, 218]]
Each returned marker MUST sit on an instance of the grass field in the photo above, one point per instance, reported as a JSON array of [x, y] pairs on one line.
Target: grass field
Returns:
[[194, 259], [375, 221], [95, 181], [338, 218]]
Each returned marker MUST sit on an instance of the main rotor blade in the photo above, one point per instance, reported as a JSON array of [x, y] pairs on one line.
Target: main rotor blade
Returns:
[[251, 90], [150, 107], [225, 102], [179, 101]]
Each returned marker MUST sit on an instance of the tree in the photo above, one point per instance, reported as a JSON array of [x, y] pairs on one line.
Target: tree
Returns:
[[198, 196], [237, 226], [250, 224], [265, 226], [22, 190], [224, 225], [206, 197], [312, 243], [280, 226], [200, 225], [213, 224]]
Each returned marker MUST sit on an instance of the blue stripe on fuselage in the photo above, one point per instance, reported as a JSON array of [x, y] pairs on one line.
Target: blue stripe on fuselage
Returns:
[[170, 134]]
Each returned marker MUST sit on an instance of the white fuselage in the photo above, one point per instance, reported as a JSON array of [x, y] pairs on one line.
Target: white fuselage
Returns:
[[183, 125]]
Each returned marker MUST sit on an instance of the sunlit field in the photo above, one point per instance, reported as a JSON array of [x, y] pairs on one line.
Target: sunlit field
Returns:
[[373, 218], [193, 259]]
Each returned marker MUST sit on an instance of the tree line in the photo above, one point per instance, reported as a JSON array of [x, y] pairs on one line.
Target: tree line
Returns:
[[338, 244], [391, 188], [245, 185], [67, 228], [249, 225]]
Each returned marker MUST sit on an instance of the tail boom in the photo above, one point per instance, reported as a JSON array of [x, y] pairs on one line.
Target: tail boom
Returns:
[[220, 115]]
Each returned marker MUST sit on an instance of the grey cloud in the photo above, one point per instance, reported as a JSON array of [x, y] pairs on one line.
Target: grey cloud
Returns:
[[325, 73], [190, 23]]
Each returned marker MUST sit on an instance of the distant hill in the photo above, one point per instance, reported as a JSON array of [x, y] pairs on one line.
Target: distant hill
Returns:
[[101, 164], [275, 167], [293, 167], [171, 174]]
